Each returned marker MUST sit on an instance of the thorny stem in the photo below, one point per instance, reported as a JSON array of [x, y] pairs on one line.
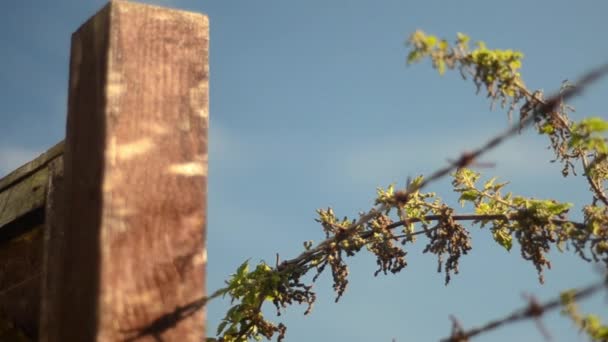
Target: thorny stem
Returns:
[[497, 199], [465, 159], [596, 187], [312, 253], [476, 217], [532, 310], [459, 217], [305, 257]]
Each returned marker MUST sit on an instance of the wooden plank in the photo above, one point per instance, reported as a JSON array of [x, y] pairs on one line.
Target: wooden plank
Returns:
[[23, 190], [135, 173], [22, 197], [54, 237], [31, 167], [9, 331], [20, 280]]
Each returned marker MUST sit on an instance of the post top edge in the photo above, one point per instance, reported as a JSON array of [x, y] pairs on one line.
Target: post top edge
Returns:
[[131, 3]]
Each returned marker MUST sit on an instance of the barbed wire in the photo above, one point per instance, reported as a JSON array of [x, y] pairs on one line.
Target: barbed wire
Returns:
[[546, 107], [534, 310], [465, 159]]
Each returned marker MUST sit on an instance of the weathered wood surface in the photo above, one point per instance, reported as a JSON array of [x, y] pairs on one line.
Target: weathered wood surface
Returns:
[[23, 190], [53, 265], [20, 272], [135, 176], [9, 331], [22, 197]]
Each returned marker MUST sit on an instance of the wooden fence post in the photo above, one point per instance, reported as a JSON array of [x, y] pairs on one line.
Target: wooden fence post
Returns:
[[135, 176]]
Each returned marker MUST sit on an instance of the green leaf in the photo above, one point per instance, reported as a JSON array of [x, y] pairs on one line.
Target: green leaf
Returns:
[[414, 56], [417, 181], [595, 124], [596, 228], [597, 144], [503, 238], [441, 67], [514, 65], [489, 184], [221, 327], [592, 322], [575, 140], [558, 208], [601, 333], [410, 228], [483, 209], [462, 38], [243, 270], [470, 195], [547, 128]]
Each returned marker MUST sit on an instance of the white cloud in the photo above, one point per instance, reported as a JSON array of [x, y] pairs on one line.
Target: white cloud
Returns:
[[394, 158], [225, 147]]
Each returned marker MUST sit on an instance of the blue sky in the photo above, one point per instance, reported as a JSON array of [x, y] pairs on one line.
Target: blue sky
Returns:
[[312, 105]]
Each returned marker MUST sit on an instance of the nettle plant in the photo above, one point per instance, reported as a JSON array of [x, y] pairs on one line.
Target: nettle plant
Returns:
[[401, 217]]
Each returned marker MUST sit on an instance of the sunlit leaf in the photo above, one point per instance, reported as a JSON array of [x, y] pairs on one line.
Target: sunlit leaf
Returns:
[[503, 238]]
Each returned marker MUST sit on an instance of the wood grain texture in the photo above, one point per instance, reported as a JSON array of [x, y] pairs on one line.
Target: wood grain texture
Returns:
[[9, 331], [52, 264], [22, 200], [20, 271], [23, 190], [135, 174], [32, 166]]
